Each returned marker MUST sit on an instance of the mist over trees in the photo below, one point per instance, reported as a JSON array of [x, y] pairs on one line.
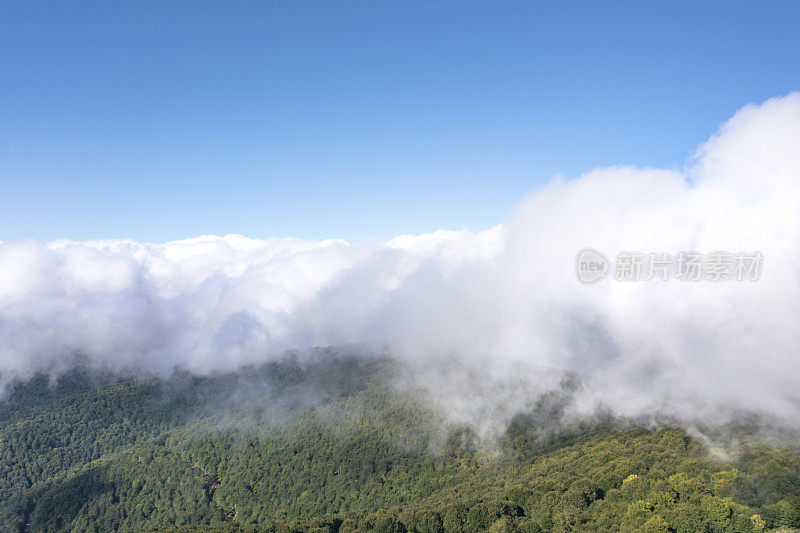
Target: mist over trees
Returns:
[[330, 443]]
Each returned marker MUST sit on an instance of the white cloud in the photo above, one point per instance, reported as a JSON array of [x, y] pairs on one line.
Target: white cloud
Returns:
[[504, 302]]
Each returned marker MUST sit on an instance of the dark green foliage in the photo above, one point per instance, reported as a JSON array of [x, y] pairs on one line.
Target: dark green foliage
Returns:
[[329, 447]]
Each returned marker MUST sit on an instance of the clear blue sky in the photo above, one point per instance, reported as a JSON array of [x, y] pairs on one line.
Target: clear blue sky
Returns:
[[163, 120]]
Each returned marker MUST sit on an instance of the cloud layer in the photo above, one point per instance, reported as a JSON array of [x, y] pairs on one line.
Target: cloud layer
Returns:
[[488, 319]]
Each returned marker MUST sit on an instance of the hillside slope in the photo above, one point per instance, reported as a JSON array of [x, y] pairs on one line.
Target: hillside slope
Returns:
[[331, 446]]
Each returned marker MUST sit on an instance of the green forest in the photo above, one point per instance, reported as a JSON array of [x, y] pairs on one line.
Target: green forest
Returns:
[[332, 446]]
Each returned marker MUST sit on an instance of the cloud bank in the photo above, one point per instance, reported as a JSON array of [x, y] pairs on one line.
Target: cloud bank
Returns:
[[497, 314]]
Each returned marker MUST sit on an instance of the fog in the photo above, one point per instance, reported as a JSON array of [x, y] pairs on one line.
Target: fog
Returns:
[[482, 322]]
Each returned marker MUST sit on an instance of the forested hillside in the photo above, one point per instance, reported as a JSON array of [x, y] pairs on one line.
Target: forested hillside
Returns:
[[331, 446]]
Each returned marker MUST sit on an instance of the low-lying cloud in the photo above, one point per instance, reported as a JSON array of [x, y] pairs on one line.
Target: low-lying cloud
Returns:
[[488, 319]]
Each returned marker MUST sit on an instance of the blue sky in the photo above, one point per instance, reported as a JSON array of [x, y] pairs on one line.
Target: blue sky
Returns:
[[163, 120]]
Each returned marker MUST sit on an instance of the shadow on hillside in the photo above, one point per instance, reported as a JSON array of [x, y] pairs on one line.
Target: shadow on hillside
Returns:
[[57, 505]]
